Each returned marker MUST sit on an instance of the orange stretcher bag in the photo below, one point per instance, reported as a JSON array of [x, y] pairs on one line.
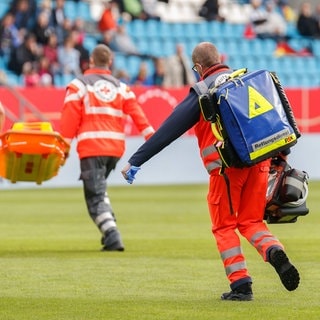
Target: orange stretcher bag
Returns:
[[31, 151]]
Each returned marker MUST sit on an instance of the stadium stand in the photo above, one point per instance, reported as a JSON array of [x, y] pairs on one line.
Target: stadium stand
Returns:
[[180, 23]]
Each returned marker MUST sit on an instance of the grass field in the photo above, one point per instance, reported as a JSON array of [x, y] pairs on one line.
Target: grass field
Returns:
[[51, 266]]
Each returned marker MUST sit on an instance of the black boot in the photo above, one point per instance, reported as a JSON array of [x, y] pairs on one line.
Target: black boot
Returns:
[[111, 241], [287, 272], [240, 293]]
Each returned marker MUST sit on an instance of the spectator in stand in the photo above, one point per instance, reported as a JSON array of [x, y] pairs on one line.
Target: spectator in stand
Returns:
[[275, 26], [10, 37], [45, 6], [258, 16], [30, 75], [42, 28], [307, 24], [287, 11], [79, 25], [109, 16], [209, 10], [24, 12], [121, 41], [58, 19], [28, 51], [50, 51], [65, 31], [78, 45], [123, 76], [69, 58], [142, 78], [106, 38], [45, 73], [159, 71], [178, 71]]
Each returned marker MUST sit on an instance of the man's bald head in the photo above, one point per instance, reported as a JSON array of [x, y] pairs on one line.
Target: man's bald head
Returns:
[[101, 56], [206, 54]]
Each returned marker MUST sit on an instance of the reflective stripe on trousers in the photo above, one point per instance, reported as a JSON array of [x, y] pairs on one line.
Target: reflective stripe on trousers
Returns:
[[248, 217], [94, 172]]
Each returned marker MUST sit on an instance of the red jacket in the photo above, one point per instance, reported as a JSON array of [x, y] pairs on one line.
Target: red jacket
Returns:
[[94, 111]]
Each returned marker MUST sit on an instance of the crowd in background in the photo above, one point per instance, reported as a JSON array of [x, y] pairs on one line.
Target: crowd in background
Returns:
[[39, 41]]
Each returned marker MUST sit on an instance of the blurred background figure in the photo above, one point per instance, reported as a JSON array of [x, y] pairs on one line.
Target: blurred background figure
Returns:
[[121, 41], [209, 10], [159, 71], [10, 37], [307, 23], [69, 58], [30, 75], [178, 69], [50, 51], [28, 51], [142, 78], [109, 17], [275, 26], [24, 12]]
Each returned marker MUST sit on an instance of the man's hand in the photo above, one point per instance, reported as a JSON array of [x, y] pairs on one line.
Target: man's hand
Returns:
[[129, 172]]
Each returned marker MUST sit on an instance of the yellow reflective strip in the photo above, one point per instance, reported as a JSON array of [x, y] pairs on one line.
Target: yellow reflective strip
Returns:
[[283, 142]]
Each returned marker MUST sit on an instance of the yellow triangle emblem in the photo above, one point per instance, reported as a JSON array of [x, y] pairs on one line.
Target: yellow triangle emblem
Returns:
[[258, 104]]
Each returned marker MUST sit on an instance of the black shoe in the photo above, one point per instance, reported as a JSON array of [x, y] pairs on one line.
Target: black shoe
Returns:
[[287, 272], [240, 293], [237, 296], [112, 241]]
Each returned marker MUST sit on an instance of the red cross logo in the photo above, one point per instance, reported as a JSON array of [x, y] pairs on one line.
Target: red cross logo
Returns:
[[105, 90]]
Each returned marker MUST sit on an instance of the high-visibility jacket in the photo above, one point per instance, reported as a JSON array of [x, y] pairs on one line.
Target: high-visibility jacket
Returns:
[[95, 108], [206, 140]]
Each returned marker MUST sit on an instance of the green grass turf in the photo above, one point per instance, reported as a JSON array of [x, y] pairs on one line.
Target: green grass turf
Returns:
[[51, 266]]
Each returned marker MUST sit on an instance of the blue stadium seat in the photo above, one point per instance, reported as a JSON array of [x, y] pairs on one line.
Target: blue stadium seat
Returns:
[[120, 61], [214, 29], [137, 28], [66, 79], [57, 80], [191, 31], [89, 42], [71, 9], [83, 11], [152, 28], [2, 63], [132, 65], [168, 47], [316, 47], [143, 45], [4, 6], [230, 31], [155, 47], [178, 31], [164, 31], [13, 79], [202, 28]]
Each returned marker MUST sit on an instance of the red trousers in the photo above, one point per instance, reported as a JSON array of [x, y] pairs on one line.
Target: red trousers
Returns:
[[248, 196]]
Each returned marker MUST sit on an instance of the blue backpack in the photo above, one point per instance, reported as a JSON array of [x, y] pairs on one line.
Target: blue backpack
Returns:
[[250, 117]]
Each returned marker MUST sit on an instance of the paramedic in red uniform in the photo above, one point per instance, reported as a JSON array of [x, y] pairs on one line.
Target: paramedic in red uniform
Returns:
[[94, 112], [247, 186]]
